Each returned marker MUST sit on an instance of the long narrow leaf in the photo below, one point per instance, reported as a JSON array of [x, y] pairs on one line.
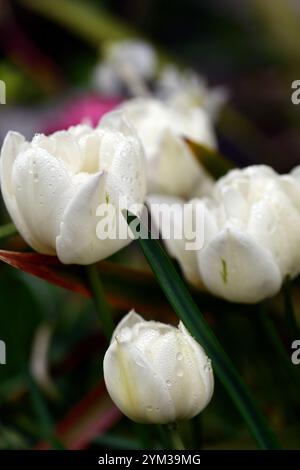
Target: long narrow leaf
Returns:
[[183, 304]]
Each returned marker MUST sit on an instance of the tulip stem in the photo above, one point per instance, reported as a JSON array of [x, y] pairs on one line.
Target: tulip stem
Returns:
[[99, 298], [176, 440], [289, 308]]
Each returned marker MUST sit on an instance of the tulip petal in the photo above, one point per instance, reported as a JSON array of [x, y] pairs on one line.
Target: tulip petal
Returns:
[[135, 387], [167, 217], [176, 170], [235, 267], [131, 319], [77, 241], [12, 145], [42, 190], [281, 239], [63, 146], [203, 385]]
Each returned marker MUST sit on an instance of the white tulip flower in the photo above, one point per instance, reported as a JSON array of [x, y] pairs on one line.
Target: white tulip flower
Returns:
[[157, 373], [251, 235], [52, 186], [172, 167]]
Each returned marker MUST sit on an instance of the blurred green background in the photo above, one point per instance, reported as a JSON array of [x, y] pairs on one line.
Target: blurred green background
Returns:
[[51, 389]]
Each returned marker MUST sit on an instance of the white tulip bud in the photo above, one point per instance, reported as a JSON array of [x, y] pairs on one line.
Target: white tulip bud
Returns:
[[172, 167], [52, 186], [251, 235], [157, 373]]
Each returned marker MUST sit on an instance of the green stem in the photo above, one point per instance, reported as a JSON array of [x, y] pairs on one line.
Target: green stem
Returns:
[[176, 440], [271, 334], [99, 298], [288, 371], [289, 309]]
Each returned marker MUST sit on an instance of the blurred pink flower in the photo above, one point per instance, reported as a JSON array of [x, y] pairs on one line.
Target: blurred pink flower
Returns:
[[88, 108]]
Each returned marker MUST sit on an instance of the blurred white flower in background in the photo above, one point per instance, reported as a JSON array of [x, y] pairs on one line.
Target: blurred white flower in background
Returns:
[[251, 235], [172, 167], [157, 373], [126, 64], [53, 185], [168, 105], [186, 88]]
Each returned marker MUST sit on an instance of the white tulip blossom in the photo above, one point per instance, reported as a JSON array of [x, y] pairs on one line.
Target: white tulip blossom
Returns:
[[251, 235], [52, 186], [157, 373], [172, 167]]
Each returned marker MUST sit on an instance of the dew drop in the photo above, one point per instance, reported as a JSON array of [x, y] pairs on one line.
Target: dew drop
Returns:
[[207, 366], [139, 364], [149, 408], [179, 356], [179, 373], [169, 383]]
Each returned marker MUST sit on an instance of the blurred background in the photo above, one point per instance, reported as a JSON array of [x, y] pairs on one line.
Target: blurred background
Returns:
[[51, 389]]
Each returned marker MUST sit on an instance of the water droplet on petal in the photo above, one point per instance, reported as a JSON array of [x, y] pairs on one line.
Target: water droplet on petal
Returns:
[[179, 373], [149, 408], [179, 356], [207, 365], [169, 383]]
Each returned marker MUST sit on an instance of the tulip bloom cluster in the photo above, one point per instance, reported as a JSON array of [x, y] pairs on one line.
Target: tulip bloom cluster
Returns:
[[251, 235], [156, 373]]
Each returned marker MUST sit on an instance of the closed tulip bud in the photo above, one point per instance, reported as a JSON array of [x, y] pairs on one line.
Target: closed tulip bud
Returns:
[[172, 167], [157, 373], [52, 186], [251, 237]]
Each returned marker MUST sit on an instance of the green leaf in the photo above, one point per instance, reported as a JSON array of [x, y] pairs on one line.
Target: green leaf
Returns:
[[7, 230], [214, 163], [186, 309]]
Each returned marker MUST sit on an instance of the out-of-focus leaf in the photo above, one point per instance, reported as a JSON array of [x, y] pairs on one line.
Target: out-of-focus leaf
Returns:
[[118, 442], [7, 231], [125, 287], [119, 281], [48, 268], [89, 418], [19, 319], [11, 439], [92, 23], [43, 416], [214, 163]]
